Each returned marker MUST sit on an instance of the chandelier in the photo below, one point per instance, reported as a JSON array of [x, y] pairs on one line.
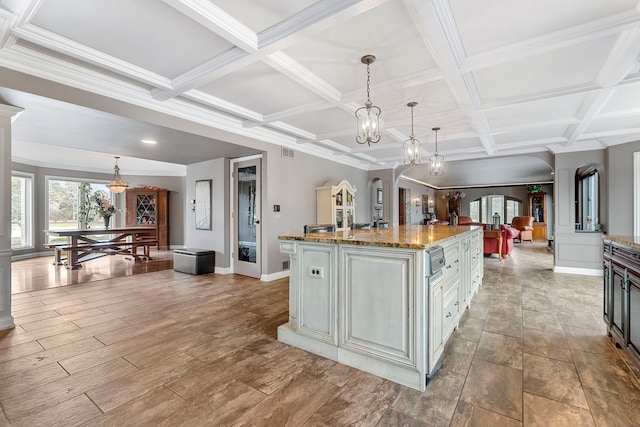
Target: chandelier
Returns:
[[411, 146], [117, 185], [436, 160], [368, 117]]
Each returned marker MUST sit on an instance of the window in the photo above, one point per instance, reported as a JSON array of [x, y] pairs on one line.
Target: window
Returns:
[[71, 204], [513, 209], [483, 209], [21, 211], [474, 210]]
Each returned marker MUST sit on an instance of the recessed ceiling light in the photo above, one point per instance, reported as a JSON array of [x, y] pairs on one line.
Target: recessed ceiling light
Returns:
[[148, 141]]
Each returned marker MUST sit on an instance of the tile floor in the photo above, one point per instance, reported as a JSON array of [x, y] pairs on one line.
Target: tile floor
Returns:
[[170, 349]]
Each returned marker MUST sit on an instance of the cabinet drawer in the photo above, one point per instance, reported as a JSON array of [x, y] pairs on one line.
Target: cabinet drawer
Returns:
[[451, 307]]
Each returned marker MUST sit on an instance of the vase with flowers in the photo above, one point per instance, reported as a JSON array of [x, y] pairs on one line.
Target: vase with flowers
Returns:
[[104, 207]]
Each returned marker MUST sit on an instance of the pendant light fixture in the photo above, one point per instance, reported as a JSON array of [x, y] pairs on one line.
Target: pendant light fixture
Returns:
[[117, 185], [411, 146], [368, 117], [436, 160]]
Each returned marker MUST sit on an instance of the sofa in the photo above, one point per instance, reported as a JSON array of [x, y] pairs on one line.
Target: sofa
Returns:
[[467, 220], [525, 225], [508, 233]]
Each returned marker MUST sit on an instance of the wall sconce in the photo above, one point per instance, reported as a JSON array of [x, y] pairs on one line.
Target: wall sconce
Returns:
[[417, 201]]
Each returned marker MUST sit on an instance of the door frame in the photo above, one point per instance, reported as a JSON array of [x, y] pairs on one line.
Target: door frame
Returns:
[[233, 217]]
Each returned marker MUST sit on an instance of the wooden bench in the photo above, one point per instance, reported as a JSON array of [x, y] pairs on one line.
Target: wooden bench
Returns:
[[57, 252], [88, 251]]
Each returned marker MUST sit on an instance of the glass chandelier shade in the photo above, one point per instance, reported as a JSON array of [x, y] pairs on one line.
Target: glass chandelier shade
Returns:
[[436, 160], [368, 117], [411, 146], [117, 185]]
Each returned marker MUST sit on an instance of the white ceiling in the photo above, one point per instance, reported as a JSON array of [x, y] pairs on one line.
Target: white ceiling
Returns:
[[519, 78]]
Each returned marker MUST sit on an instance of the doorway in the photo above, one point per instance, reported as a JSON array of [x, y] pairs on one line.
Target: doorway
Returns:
[[246, 215], [404, 206]]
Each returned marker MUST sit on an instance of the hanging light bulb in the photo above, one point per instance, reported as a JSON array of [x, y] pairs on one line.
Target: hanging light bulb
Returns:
[[117, 185], [436, 160], [411, 146], [368, 117]]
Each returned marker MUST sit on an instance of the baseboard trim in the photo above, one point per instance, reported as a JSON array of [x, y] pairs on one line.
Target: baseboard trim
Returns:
[[580, 271], [223, 270], [31, 255], [275, 276]]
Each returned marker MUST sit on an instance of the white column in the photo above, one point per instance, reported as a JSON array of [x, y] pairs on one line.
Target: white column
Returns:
[[6, 112]]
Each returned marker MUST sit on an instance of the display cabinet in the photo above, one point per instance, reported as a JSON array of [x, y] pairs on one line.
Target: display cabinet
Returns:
[[538, 210], [336, 204], [149, 207]]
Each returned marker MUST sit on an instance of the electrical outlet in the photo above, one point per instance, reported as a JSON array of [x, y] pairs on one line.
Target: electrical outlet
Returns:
[[317, 272]]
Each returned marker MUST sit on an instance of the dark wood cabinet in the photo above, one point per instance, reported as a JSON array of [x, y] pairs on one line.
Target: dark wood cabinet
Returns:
[[148, 207], [538, 210], [621, 307]]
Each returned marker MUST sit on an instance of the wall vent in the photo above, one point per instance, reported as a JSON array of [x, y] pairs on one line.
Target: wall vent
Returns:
[[288, 153], [285, 265]]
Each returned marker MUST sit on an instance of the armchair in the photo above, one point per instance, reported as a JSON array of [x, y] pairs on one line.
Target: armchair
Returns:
[[525, 225], [467, 220], [507, 234]]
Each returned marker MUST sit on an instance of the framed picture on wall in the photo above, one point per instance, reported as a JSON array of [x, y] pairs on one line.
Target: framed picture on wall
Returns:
[[379, 196], [203, 204], [425, 203]]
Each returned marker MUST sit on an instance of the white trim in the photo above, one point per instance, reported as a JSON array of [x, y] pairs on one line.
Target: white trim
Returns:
[[581, 271], [224, 270], [636, 193], [232, 239], [275, 276], [31, 255]]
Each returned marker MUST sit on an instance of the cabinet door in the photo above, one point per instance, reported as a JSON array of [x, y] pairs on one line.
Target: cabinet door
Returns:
[[339, 218], [617, 300], [606, 291], [436, 324], [634, 315], [317, 292]]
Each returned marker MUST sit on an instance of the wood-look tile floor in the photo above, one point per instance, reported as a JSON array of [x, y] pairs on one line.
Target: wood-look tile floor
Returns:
[[169, 349]]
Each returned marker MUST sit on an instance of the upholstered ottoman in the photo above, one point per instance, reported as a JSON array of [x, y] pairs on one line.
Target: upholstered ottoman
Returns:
[[194, 261]]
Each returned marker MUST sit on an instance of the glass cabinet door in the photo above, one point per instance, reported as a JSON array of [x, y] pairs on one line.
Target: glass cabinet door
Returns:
[[339, 218], [339, 198]]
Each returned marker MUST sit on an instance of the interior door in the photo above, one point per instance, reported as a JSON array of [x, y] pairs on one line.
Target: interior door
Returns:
[[246, 218]]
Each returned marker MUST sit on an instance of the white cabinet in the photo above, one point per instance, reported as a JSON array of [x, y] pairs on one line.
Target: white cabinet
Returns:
[[436, 322], [336, 204], [317, 292]]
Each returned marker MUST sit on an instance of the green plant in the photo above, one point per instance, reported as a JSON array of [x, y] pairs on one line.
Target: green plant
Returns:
[[534, 188]]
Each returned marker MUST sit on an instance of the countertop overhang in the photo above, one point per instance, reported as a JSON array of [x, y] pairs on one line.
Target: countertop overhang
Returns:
[[633, 241], [403, 236]]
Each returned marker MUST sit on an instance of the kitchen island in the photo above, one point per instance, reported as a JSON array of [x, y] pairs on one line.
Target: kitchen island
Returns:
[[372, 299]]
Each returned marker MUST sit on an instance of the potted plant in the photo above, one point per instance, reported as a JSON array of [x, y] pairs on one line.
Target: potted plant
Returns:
[[104, 207], [534, 188]]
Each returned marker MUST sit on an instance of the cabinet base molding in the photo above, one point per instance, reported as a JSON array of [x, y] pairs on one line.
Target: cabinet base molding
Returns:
[[400, 374], [581, 271]]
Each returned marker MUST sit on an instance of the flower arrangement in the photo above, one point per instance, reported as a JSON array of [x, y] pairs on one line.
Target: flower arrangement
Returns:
[[105, 208]]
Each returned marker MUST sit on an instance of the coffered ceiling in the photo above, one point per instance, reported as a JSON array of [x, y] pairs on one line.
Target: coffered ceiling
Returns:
[[501, 78]]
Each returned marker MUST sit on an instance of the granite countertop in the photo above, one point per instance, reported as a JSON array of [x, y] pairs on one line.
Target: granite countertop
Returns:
[[403, 236], [633, 241]]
